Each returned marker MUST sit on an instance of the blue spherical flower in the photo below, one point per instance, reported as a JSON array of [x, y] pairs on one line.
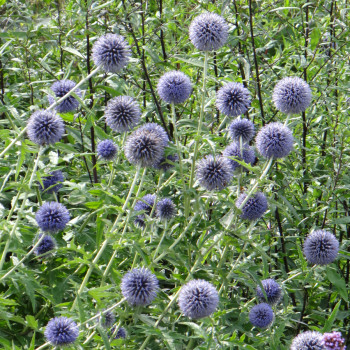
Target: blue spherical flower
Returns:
[[333, 341], [198, 298], [233, 99], [241, 128], [144, 148], [274, 140], [309, 340], [166, 209], [164, 163], [107, 319], [52, 217], [261, 315], [158, 130], [139, 287], [174, 87], [146, 205], [52, 183], [122, 113], [234, 150], [61, 331], [255, 207], [121, 333], [321, 247], [46, 246], [214, 174], [273, 292], [45, 127], [61, 88], [112, 52], [292, 95], [107, 149], [208, 32]]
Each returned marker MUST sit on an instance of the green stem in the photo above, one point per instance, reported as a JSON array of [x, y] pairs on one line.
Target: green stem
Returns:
[[114, 166], [161, 240], [287, 120]]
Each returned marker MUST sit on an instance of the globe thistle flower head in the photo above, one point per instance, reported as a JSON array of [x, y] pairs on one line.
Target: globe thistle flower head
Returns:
[[198, 299], [255, 207], [121, 333], [273, 292], [158, 130], [61, 88], [310, 340], [233, 99], [333, 341], [112, 52], [234, 150], [52, 183], [46, 246], [107, 319], [164, 164], [144, 148], [107, 149], [122, 113], [214, 174], [52, 217], [174, 87], [321, 247], [274, 140], [45, 127], [291, 95], [139, 287], [261, 315], [146, 203], [61, 331], [241, 128], [208, 32], [166, 209]]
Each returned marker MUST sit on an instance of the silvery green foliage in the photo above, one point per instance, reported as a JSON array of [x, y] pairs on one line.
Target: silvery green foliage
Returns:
[[274, 140], [122, 113], [198, 299], [233, 99], [321, 247], [208, 32], [139, 287], [61, 331], [310, 340], [52, 217], [45, 127], [292, 95], [112, 52], [61, 88], [214, 174], [255, 207], [243, 128], [174, 87], [273, 292], [261, 315], [107, 149], [234, 150]]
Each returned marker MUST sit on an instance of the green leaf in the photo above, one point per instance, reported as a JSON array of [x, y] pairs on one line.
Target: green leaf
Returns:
[[32, 322], [338, 282], [315, 38], [329, 323]]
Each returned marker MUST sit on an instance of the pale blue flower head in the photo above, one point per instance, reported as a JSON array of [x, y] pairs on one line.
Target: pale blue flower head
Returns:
[[234, 150], [52, 217], [261, 315], [310, 340], [254, 208], [243, 128], [273, 292], [107, 149], [61, 331]]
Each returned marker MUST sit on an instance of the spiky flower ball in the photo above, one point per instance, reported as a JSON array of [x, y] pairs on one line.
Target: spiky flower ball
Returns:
[[52, 217], [122, 113], [241, 128], [52, 183], [61, 88], [233, 99], [121, 333], [234, 150], [254, 208], [208, 32], [45, 127], [198, 298], [273, 292], [214, 174], [144, 148], [321, 247], [333, 341], [292, 95], [165, 163], [274, 140], [145, 204], [261, 315], [107, 319], [112, 52], [45, 247], [139, 287], [107, 149], [158, 130], [309, 340], [61, 331], [174, 87], [166, 209]]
